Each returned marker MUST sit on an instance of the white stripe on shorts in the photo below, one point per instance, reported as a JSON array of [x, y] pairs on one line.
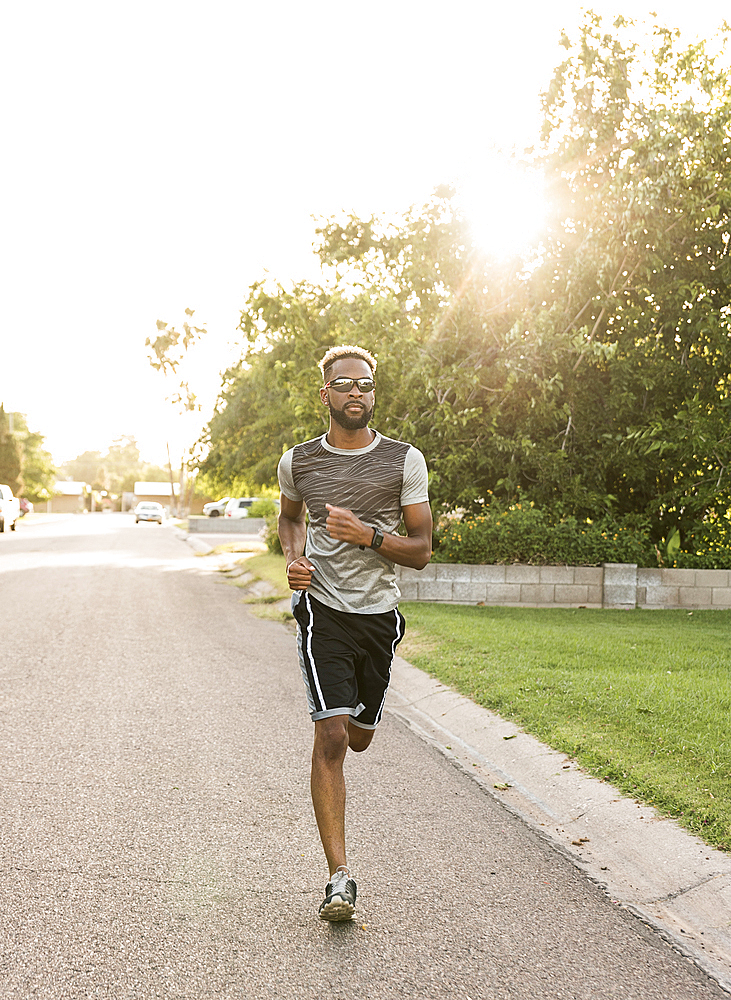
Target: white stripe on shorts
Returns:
[[394, 644], [310, 657]]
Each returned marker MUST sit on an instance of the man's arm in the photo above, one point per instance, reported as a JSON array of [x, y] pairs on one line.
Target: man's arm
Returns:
[[413, 549], [292, 530]]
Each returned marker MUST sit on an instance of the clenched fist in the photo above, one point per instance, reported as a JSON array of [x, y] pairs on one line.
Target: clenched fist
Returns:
[[346, 527]]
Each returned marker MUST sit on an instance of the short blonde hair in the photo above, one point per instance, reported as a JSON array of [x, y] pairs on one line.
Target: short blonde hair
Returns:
[[345, 351]]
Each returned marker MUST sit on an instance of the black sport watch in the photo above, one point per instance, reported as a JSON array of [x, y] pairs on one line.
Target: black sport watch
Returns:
[[377, 538]]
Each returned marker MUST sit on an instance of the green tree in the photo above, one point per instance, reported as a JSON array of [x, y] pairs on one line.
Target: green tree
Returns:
[[410, 293], [635, 276], [116, 470], [122, 465], [10, 455], [86, 468], [590, 378], [38, 471]]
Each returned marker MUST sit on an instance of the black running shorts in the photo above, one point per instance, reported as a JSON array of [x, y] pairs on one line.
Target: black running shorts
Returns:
[[345, 659]]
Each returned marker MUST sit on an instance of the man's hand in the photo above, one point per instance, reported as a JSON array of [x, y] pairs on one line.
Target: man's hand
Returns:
[[299, 573], [346, 527]]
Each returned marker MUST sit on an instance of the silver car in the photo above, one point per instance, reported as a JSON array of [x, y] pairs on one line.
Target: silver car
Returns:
[[239, 507], [148, 510], [215, 508]]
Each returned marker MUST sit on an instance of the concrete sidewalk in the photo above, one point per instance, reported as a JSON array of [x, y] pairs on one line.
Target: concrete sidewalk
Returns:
[[668, 878]]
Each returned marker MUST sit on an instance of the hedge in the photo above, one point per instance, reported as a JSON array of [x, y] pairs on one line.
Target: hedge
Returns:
[[709, 546], [523, 534]]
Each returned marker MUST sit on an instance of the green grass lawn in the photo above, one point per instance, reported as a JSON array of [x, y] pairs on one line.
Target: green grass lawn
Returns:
[[268, 566], [641, 698]]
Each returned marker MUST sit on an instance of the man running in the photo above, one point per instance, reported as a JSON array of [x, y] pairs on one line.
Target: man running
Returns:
[[357, 486]]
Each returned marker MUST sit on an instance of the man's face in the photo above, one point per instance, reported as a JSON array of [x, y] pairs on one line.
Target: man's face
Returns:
[[352, 409]]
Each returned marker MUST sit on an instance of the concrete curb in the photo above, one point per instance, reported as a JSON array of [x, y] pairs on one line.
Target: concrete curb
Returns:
[[670, 879], [204, 546]]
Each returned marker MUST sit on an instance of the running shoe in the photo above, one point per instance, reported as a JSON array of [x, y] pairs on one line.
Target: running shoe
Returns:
[[339, 901]]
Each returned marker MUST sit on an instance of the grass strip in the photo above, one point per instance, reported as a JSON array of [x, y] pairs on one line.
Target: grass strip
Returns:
[[640, 698], [247, 545], [270, 567]]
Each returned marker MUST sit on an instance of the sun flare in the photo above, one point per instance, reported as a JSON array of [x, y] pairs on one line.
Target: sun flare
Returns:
[[505, 205]]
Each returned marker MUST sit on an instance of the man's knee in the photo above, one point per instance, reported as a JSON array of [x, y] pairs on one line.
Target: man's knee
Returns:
[[331, 738]]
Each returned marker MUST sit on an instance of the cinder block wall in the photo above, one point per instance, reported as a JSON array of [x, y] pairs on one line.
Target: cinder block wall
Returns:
[[513, 586], [613, 585], [684, 588]]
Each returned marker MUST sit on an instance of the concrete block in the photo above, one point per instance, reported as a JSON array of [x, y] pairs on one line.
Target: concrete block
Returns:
[[428, 573], [536, 593], [488, 574], [649, 577], [625, 597], [694, 597], [620, 574], [594, 594], [522, 574], [469, 593], [712, 578], [721, 597], [453, 572], [503, 593], [592, 576], [571, 594], [677, 577], [563, 575], [620, 585], [409, 590], [434, 590], [658, 597]]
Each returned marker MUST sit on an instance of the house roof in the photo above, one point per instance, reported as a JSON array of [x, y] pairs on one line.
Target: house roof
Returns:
[[70, 489]]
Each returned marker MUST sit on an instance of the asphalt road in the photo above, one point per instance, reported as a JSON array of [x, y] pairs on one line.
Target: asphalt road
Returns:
[[157, 834]]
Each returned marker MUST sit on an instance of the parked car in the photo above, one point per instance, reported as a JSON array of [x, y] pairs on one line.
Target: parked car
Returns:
[[9, 509], [149, 510], [216, 508], [26, 507], [239, 506]]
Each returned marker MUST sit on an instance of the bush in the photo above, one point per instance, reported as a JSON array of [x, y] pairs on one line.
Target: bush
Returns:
[[709, 546], [262, 508], [271, 536], [523, 534]]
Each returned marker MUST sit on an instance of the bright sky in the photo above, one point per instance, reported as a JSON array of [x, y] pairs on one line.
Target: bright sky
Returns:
[[160, 154]]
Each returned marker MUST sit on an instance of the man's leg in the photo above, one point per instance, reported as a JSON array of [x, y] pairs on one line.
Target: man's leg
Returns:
[[327, 785], [333, 736]]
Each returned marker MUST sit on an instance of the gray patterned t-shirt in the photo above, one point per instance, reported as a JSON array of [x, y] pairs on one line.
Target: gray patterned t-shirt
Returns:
[[375, 483]]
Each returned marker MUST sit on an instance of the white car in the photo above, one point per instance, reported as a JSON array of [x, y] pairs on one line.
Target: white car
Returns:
[[9, 509], [148, 510], [239, 506], [215, 508]]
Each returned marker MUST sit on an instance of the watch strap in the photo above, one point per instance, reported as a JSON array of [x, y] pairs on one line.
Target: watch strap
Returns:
[[375, 541]]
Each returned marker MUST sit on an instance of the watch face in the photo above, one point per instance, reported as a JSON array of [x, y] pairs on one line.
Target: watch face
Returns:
[[377, 538]]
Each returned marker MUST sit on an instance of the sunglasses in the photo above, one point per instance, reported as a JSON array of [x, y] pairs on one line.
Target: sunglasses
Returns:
[[346, 384]]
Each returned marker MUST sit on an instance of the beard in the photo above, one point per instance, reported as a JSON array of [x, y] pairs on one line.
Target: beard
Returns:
[[348, 422]]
